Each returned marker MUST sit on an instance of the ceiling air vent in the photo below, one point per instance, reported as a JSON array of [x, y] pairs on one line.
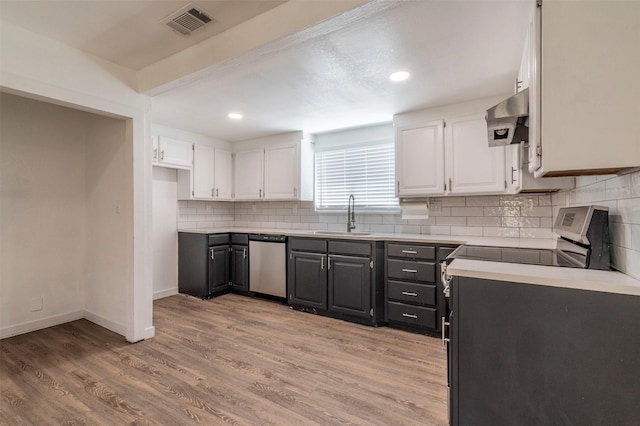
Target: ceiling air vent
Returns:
[[187, 19]]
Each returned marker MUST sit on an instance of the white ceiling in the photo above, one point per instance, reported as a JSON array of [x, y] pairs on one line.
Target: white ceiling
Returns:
[[130, 33], [337, 77]]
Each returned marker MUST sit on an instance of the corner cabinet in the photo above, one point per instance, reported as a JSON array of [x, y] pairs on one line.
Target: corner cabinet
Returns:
[[337, 278], [203, 264], [278, 167]]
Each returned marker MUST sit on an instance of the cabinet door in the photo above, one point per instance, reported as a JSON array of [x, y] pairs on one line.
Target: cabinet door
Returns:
[[218, 268], [174, 152], [471, 165], [420, 159], [249, 175], [222, 174], [308, 280], [202, 172], [240, 267], [281, 173], [535, 84], [350, 285], [513, 168]]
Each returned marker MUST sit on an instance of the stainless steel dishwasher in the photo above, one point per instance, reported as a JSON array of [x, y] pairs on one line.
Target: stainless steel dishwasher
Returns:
[[268, 264]]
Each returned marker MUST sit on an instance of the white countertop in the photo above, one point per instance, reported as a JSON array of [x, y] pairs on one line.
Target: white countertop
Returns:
[[541, 243], [583, 279]]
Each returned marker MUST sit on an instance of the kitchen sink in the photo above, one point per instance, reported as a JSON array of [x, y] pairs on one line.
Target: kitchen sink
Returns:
[[339, 233]]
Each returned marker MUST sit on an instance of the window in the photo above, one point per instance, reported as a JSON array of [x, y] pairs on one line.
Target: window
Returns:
[[366, 170]]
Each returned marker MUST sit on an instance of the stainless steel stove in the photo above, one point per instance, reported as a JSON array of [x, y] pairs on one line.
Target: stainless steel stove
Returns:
[[583, 242]]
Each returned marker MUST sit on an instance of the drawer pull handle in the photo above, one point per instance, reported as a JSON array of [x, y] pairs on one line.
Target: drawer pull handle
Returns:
[[413, 271], [408, 293], [409, 251], [410, 316]]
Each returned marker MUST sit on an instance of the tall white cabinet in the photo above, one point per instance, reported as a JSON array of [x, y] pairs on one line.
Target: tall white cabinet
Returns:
[[202, 173], [222, 171]]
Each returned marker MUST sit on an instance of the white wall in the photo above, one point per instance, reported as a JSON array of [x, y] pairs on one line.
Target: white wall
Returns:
[[42, 189], [109, 209], [165, 236], [41, 68]]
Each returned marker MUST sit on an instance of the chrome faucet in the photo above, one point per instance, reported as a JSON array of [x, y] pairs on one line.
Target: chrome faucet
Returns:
[[351, 214]]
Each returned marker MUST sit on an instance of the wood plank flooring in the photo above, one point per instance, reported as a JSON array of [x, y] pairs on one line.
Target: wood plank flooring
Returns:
[[230, 360]]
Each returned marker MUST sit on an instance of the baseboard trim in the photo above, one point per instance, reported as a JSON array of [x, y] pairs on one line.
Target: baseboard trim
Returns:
[[27, 327], [106, 323], [165, 293]]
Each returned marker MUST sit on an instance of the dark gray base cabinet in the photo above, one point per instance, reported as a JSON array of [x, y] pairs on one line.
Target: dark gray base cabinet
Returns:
[[308, 280], [413, 291], [525, 354], [338, 278], [203, 264], [240, 263]]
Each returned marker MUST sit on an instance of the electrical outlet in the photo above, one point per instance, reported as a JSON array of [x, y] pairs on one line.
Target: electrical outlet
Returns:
[[36, 304], [435, 206]]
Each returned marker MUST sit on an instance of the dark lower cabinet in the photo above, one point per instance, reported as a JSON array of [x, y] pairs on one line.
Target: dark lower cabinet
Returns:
[[337, 278], [203, 264], [308, 280], [218, 269], [240, 268], [350, 285], [524, 354]]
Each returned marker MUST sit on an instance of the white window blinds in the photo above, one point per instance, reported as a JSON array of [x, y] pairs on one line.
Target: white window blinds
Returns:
[[366, 171]]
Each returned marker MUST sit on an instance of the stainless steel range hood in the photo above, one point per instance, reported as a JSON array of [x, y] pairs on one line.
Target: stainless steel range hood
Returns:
[[508, 121]]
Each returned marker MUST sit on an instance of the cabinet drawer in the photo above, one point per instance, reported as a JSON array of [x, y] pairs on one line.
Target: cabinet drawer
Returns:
[[218, 239], [242, 239], [308, 244], [411, 251], [350, 248], [411, 271], [424, 294], [419, 316]]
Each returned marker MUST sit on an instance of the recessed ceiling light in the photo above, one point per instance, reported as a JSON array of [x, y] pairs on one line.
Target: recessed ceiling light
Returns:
[[235, 116], [399, 76]]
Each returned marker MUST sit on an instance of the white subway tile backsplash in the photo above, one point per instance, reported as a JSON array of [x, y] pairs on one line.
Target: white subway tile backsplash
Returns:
[[467, 211], [536, 233], [450, 220], [521, 222], [537, 211], [501, 211], [452, 201], [466, 230], [483, 201], [527, 201], [440, 230], [500, 232], [484, 221]]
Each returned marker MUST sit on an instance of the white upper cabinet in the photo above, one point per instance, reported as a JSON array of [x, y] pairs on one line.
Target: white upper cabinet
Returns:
[[281, 172], [471, 166], [420, 159], [202, 172], [249, 174], [173, 153], [588, 92], [277, 167], [156, 150], [222, 169]]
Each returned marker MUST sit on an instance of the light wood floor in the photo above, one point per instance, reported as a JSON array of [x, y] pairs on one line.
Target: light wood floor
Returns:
[[229, 360]]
